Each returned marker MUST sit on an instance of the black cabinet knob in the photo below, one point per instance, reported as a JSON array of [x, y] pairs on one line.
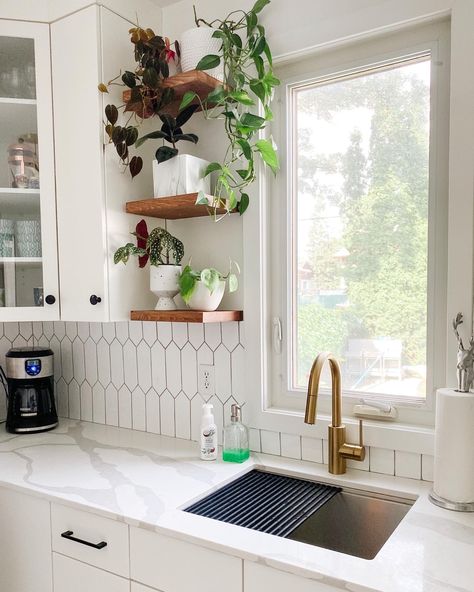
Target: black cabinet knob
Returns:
[[50, 299], [95, 299]]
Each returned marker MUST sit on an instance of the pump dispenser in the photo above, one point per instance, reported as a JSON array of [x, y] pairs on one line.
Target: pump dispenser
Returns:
[[236, 438], [208, 434]]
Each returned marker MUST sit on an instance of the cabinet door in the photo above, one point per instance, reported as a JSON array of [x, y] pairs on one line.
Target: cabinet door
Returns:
[[25, 543], [74, 576], [28, 240], [259, 577]]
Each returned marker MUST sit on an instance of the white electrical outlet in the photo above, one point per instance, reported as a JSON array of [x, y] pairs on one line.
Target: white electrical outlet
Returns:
[[206, 380]]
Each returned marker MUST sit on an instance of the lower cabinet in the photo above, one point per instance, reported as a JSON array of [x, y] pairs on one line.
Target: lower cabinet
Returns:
[[73, 576], [258, 578], [25, 543]]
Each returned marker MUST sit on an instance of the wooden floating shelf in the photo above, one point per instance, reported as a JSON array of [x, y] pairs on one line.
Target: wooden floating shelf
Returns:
[[187, 316], [194, 80], [175, 207]]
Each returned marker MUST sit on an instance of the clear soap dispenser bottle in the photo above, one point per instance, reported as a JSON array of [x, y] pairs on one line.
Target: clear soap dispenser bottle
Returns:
[[236, 438]]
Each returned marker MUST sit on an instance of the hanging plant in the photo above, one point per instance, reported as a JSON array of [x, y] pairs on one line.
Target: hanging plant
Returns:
[[247, 90], [146, 97]]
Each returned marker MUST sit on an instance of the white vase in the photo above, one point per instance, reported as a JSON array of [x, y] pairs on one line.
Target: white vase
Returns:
[[197, 43], [203, 299], [180, 174], [164, 284]]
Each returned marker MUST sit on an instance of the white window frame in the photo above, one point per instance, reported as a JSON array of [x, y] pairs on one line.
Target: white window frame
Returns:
[[415, 435]]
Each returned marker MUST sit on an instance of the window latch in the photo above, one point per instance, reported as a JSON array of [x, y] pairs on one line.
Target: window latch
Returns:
[[276, 335]]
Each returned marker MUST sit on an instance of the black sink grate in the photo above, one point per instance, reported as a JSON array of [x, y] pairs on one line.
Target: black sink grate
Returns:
[[262, 501]]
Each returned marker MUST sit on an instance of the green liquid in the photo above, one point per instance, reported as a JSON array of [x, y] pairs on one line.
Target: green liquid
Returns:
[[237, 455]]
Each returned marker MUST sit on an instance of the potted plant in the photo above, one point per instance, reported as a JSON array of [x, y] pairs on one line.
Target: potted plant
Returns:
[[203, 290], [148, 96], [248, 84], [197, 43], [164, 252]]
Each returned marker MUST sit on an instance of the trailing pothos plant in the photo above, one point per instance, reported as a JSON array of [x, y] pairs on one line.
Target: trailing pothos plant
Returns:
[[147, 97], [209, 276], [248, 88], [158, 247]]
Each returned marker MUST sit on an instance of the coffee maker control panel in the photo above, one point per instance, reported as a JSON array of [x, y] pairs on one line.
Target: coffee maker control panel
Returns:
[[33, 367]]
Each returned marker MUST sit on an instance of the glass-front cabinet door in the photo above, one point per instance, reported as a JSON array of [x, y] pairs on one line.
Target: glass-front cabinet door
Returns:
[[28, 240]]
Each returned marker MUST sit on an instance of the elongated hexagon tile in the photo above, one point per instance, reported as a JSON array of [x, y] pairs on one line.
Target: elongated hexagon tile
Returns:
[[121, 331], [79, 369], [135, 332], [230, 335], [149, 332], [20, 341], [111, 406], [212, 335], [11, 330], [66, 361], [153, 412], [2, 329], [71, 330], [222, 373], [116, 363], [242, 332], [138, 410], [167, 419], [158, 367], [103, 362], [254, 440], [205, 355], [196, 412], [196, 334], [189, 370], [74, 400], [95, 331], [218, 410], [182, 408], [125, 407], [238, 375], [180, 334], [86, 401], [48, 329], [55, 346], [5, 345], [63, 398], [83, 331], [59, 329], [164, 333], [37, 330], [173, 369], [90, 354], [108, 332], [130, 365], [144, 366], [98, 403]]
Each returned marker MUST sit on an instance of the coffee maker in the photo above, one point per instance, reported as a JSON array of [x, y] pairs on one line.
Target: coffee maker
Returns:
[[30, 390]]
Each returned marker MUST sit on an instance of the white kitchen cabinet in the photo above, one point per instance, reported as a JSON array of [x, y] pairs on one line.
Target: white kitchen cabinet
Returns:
[[25, 543], [259, 577], [90, 46], [74, 576], [170, 565], [28, 239]]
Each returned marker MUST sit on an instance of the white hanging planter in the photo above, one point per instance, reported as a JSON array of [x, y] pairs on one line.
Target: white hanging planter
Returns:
[[180, 174], [164, 283], [197, 43], [203, 299]]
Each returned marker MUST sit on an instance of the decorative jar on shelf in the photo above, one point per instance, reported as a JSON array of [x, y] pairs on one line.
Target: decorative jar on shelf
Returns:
[[181, 174], [164, 284]]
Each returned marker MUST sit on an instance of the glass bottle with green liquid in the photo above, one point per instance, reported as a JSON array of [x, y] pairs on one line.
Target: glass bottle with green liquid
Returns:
[[236, 438]]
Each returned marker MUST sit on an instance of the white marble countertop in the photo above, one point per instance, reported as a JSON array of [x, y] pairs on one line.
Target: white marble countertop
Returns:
[[145, 479]]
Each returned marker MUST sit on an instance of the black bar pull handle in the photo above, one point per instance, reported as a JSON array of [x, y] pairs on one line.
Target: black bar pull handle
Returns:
[[68, 535]]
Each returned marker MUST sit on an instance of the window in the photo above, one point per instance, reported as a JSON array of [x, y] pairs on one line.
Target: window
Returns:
[[363, 217]]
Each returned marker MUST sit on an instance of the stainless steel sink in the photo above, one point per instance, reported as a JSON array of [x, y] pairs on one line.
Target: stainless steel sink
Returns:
[[341, 519], [352, 522]]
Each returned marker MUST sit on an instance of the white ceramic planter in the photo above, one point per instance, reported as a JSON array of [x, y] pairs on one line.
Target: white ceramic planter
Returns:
[[202, 299], [181, 174], [164, 284], [197, 43]]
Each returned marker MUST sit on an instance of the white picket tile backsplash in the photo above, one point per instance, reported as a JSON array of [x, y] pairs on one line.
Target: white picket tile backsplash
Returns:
[[144, 376]]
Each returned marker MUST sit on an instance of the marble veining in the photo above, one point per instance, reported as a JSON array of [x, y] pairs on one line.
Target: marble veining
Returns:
[[144, 480]]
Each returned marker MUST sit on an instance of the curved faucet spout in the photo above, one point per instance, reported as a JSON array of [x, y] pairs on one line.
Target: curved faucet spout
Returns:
[[313, 389]]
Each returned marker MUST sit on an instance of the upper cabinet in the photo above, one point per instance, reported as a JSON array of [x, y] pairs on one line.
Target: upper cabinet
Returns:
[[28, 241], [89, 47]]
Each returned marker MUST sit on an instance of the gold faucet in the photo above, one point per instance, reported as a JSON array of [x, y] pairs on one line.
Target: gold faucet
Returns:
[[339, 449]]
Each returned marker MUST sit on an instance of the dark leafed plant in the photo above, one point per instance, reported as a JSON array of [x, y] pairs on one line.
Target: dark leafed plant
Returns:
[[159, 247], [247, 89], [146, 97]]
